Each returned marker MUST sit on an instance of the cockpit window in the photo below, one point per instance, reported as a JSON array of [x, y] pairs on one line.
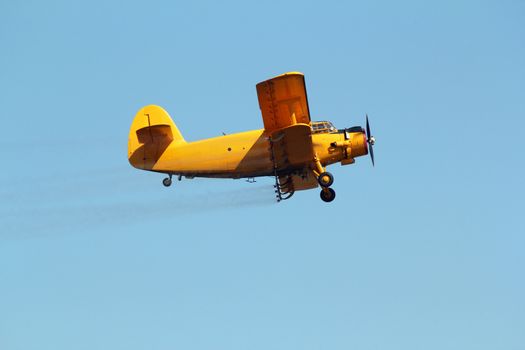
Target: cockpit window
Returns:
[[323, 127]]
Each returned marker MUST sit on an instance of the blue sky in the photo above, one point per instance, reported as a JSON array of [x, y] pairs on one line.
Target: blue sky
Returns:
[[423, 251]]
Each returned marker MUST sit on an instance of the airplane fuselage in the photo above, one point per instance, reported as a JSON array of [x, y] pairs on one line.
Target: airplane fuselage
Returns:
[[245, 154]]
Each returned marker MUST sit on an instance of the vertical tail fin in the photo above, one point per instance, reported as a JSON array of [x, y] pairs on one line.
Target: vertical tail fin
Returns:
[[151, 132]]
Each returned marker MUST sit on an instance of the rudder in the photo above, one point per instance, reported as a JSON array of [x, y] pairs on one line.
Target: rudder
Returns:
[[151, 132]]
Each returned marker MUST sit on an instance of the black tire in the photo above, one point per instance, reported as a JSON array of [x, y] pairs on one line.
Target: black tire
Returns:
[[166, 182], [325, 179], [327, 196]]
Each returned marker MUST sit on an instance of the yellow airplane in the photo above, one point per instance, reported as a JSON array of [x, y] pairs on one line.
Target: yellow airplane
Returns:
[[291, 147]]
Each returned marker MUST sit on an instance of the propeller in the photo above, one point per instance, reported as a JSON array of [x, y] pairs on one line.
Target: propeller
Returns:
[[370, 139]]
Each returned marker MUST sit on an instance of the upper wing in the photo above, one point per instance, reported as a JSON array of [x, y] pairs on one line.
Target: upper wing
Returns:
[[283, 101]]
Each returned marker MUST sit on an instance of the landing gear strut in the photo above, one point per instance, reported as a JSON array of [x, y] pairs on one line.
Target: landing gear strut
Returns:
[[325, 180], [167, 181]]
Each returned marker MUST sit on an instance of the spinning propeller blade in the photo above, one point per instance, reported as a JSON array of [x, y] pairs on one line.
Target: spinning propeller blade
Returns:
[[371, 140]]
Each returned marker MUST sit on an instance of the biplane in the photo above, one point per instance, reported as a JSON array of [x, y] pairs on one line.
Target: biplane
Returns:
[[291, 148]]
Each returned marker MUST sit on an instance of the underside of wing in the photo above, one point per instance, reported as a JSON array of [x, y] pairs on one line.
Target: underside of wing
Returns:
[[283, 101], [303, 180]]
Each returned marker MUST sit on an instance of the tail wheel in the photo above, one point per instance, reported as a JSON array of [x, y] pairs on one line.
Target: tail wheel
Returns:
[[167, 182], [327, 194], [325, 179]]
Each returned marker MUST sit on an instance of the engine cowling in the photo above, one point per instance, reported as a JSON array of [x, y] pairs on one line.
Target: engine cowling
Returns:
[[357, 145], [354, 145]]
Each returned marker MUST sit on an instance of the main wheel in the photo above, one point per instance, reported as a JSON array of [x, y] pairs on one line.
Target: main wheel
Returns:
[[166, 182], [327, 194], [325, 179]]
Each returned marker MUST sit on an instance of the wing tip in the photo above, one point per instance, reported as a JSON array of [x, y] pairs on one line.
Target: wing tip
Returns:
[[291, 73], [287, 74]]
